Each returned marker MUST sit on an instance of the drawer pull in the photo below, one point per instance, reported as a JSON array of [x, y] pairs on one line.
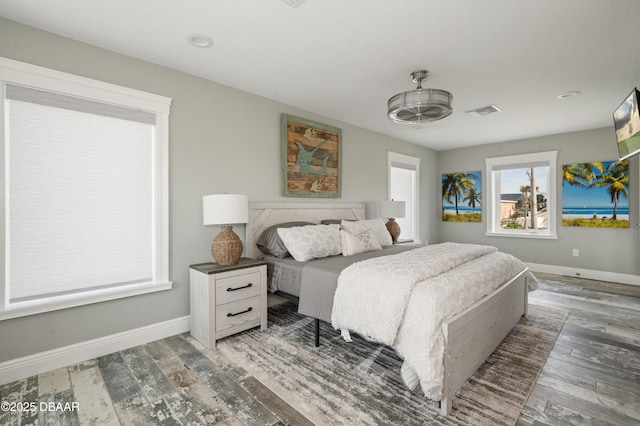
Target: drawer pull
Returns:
[[240, 288], [239, 313]]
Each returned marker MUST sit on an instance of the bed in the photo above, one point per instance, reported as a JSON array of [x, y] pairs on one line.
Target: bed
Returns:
[[468, 337]]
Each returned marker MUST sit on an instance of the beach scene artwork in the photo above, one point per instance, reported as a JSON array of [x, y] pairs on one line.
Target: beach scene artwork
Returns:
[[596, 194], [462, 197]]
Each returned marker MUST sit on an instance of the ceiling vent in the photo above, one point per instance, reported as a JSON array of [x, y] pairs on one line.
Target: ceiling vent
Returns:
[[293, 3], [482, 111]]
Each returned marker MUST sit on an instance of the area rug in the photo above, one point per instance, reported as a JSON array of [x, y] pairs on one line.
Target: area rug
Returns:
[[359, 382]]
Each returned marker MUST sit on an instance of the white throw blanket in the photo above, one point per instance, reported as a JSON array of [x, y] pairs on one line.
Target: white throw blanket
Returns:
[[402, 300]]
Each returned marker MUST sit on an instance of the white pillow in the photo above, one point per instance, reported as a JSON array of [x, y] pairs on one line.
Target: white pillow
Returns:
[[354, 244], [375, 225], [311, 241]]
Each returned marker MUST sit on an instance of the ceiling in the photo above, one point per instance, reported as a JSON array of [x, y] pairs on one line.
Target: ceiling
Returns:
[[345, 59]]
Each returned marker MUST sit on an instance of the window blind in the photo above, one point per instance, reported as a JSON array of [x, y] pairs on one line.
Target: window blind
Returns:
[[57, 100], [80, 194]]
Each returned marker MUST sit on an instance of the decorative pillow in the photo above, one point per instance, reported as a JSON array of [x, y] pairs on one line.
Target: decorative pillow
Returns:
[[270, 242], [354, 244], [311, 241], [375, 225]]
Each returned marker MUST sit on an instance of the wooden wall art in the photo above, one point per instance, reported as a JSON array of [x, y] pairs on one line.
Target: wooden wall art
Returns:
[[311, 158]]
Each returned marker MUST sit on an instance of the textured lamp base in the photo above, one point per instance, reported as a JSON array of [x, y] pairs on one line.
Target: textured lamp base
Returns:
[[226, 248], [394, 229]]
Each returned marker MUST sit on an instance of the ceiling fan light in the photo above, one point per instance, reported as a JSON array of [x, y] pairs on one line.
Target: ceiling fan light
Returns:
[[420, 105]]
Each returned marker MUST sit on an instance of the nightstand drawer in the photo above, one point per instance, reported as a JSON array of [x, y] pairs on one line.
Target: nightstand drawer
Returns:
[[237, 313], [238, 287]]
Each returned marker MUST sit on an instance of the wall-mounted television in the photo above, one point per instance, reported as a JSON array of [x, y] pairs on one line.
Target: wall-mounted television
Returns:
[[626, 119]]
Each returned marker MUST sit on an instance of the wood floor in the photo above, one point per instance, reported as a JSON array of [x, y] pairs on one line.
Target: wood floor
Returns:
[[592, 376]]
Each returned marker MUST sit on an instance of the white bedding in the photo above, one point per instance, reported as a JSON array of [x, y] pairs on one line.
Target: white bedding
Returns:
[[403, 299]]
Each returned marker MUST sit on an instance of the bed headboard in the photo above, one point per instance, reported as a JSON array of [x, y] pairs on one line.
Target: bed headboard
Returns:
[[264, 215]]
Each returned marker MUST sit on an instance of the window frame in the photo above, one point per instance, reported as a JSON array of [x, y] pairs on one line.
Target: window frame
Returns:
[[395, 159], [19, 73], [539, 159]]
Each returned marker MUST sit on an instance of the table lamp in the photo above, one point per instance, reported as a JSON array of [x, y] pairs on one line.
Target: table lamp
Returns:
[[391, 210], [225, 209]]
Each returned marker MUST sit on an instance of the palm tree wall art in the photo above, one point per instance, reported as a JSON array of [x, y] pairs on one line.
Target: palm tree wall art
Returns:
[[596, 194], [462, 197]]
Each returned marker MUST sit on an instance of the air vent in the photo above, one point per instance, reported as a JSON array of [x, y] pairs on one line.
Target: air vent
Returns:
[[293, 3], [482, 111]]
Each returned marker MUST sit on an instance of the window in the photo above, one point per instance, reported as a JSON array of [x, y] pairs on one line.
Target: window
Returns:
[[85, 176], [404, 175], [522, 195]]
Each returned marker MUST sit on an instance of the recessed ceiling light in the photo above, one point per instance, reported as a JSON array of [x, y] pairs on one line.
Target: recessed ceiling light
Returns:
[[570, 94], [200, 40]]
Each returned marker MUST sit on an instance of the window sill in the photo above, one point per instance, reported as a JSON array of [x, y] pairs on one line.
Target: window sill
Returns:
[[32, 307], [522, 235]]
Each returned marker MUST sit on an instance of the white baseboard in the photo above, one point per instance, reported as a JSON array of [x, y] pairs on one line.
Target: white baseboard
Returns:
[[30, 365], [586, 273]]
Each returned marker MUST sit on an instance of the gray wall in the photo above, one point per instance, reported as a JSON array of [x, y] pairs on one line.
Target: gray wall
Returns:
[[214, 148], [610, 250]]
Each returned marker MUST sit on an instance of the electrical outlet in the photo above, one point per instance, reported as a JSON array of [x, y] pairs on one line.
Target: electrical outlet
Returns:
[[576, 252]]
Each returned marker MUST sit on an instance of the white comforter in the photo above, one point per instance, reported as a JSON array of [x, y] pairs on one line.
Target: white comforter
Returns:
[[402, 300]]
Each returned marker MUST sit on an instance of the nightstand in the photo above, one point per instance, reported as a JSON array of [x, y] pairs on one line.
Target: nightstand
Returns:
[[227, 299]]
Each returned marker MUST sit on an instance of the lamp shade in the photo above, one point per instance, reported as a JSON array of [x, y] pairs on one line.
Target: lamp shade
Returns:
[[394, 209], [225, 209]]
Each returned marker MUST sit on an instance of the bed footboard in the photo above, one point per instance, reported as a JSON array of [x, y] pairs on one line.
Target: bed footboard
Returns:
[[472, 335]]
